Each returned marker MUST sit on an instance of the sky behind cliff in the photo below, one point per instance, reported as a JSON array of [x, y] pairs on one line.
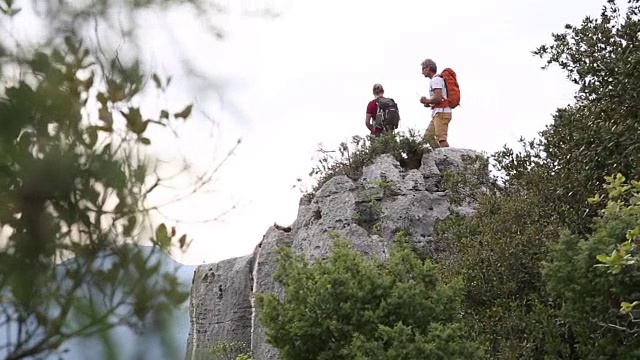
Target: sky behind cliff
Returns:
[[306, 78]]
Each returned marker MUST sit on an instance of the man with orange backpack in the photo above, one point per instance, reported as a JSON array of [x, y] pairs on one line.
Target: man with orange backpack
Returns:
[[444, 95]]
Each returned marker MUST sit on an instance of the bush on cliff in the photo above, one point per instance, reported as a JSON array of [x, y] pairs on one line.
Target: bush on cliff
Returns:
[[407, 148], [351, 307]]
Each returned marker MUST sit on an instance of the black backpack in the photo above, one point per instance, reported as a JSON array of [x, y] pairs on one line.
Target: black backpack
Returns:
[[388, 116]]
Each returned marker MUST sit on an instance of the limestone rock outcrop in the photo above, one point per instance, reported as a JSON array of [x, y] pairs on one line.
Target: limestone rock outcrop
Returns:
[[368, 212]]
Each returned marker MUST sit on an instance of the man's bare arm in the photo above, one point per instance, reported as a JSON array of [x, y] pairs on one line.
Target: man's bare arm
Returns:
[[367, 121], [436, 99]]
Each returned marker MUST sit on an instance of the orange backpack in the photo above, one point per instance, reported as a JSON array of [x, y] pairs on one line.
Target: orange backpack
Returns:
[[453, 89]]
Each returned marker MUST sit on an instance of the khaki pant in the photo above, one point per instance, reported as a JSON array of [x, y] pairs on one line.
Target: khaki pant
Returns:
[[438, 129]]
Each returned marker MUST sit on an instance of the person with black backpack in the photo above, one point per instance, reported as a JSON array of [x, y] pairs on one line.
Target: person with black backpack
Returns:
[[382, 113]]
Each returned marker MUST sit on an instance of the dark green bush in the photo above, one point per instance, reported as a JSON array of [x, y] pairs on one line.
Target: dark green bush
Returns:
[[351, 307]]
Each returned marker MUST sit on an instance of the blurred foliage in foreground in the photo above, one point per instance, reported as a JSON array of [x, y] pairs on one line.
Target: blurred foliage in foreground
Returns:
[[75, 177]]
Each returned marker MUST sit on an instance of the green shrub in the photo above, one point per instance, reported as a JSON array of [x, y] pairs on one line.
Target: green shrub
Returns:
[[352, 307], [407, 148], [224, 350], [537, 212], [592, 285], [498, 251]]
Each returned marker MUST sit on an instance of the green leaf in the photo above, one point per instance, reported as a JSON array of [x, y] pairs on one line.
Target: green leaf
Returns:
[[106, 149], [145, 141], [89, 82], [40, 62], [162, 237], [92, 133], [13, 11], [182, 241], [69, 41], [102, 99], [85, 54], [184, 113], [626, 307], [134, 120], [156, 80], [130, 226], [115, 91], [603, 258], [595, 199]]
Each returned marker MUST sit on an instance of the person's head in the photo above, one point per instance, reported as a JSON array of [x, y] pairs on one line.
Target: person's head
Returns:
[[378, 91], [429, 68]]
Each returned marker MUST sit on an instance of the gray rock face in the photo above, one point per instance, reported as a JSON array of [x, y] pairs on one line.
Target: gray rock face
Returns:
[[368, 212], [224, 309]]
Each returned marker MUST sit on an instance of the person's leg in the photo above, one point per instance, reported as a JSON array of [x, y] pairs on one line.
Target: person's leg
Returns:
[[430, 135], [441, 125]]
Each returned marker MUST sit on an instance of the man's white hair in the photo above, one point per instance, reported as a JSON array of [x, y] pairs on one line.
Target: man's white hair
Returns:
[[429, 64]]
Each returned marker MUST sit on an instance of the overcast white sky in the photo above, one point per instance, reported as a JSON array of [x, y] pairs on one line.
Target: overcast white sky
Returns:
[[305, 78]]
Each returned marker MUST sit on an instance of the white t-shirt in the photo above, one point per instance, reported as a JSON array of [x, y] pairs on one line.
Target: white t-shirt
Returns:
[[438, 83]]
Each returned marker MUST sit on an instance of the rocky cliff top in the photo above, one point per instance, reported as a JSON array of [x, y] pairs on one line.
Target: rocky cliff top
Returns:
[[368, 212]]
